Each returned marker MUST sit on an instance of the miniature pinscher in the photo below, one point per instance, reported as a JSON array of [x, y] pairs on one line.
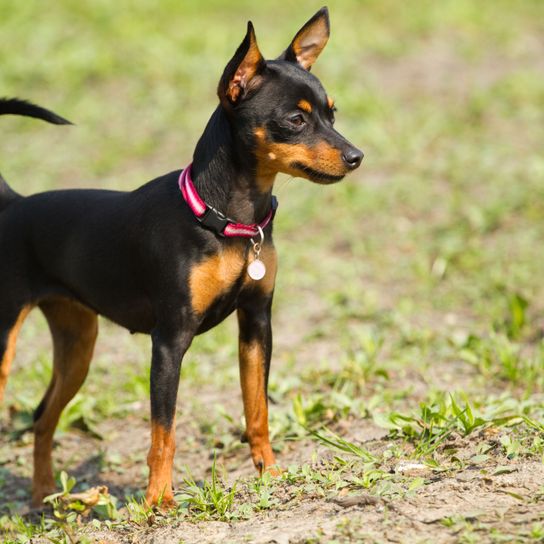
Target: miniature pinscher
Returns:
[[175, 257]]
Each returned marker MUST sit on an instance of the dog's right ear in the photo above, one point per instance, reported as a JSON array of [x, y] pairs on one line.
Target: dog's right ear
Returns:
[[242, 72]]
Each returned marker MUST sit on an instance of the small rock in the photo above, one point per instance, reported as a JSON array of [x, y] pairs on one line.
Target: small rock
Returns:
[[412, 469], [357, 500]]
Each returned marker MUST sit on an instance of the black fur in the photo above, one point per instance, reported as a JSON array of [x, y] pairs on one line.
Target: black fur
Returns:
[[7, 194], [16, 106], [129, 256]]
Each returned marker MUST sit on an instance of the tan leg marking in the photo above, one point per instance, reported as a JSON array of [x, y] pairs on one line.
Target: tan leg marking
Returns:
[[252, 379], [160, 461], [252, 376], [74, 329], [9, 353], [214, 276]]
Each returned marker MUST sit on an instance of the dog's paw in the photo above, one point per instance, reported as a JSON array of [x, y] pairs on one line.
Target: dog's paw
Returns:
[[275, 471], [162, 501], [264, 460], [39, 494]]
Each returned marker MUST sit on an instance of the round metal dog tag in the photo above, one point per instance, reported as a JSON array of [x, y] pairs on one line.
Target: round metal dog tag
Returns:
[[256, 270]]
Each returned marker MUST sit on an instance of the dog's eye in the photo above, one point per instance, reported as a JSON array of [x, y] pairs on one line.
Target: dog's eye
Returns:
[[297, 120]]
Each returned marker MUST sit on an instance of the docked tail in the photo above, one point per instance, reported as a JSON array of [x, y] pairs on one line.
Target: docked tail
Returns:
[[16, 106]]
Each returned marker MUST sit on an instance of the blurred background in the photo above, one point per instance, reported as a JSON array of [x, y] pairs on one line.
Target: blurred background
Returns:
[[428, 256], [445, 98]]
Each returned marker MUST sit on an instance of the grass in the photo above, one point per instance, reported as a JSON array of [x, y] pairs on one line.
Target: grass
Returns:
[[409, 347], [208, 500]]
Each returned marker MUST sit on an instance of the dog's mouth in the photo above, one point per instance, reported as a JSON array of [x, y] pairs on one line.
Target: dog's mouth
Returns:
[[317, 176]]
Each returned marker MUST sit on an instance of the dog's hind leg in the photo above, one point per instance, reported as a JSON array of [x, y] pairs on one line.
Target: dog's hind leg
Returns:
[[10, 326], [74, 329]]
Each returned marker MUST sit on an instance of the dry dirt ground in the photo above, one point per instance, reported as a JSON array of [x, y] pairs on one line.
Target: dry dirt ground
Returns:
[[503, 501], [497, 495], [500, 495]]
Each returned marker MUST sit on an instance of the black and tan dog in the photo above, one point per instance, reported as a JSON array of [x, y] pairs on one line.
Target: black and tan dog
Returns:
[[175, 257]]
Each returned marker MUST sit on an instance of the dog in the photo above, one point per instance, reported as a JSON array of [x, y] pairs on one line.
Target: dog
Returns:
[[175, 257]]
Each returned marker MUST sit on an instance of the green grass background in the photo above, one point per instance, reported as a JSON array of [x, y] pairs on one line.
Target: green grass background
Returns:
[[452, 170], [432, 249]]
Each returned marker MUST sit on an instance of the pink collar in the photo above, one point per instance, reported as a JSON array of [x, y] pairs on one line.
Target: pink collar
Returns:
[[213, 219]]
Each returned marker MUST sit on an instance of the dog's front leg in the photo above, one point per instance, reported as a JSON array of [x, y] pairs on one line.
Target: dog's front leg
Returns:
[[168, 351], [255, 345]]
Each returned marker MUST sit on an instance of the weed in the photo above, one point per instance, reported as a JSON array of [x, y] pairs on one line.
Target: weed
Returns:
[[497, 356], [442, 418], [139, 512], [332, 440], [68, 506], [206, 500]]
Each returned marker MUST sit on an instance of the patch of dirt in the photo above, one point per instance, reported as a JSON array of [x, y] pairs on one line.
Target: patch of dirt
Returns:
[[437, 68], [470, 497], [474, 496]]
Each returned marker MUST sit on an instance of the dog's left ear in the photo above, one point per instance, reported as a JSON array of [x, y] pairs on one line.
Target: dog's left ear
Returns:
[[309, 40], [241, 73]]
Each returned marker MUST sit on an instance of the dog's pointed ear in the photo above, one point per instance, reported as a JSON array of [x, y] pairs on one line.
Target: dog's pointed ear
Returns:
[[241, 73], [309, 40]]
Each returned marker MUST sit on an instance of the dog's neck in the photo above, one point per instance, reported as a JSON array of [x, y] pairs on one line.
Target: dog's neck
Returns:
[[224, 173]]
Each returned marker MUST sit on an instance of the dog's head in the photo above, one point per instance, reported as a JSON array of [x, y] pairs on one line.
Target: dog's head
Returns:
[[282, 111]]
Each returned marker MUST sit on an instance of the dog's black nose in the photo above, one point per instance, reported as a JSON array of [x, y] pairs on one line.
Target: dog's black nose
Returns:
[[353, 157]]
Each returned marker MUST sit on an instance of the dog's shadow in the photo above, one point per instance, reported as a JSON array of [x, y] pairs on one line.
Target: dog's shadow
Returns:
[[15, 490]]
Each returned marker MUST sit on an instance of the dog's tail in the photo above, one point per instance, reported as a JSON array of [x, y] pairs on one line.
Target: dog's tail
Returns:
[[16, 106]]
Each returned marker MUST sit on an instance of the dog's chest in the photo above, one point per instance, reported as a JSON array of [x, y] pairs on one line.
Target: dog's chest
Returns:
[[216, 277], [216, 282]]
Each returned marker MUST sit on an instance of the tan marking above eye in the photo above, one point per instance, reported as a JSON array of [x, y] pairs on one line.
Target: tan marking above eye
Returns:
[[305, 106], [214, 276], [330, 102]]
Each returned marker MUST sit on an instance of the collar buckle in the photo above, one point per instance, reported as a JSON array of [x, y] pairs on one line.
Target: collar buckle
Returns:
[[213, 220]]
